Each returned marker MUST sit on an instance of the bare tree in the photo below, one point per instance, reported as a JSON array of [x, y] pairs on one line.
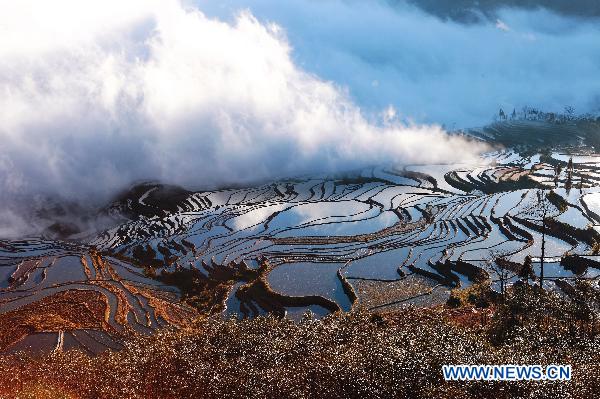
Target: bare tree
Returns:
[[539, 209], [557, 171], [504, 274], [569, 112], [526, 271], [570, 165], [569, 171]]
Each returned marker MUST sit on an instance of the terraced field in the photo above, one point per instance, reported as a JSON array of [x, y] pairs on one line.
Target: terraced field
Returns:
[[381, 238]]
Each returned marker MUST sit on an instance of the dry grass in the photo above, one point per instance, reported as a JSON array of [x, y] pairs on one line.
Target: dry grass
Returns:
[[358, 354]]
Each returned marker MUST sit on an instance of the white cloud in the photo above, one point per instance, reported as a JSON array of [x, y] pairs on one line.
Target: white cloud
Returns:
[[97, 94], [502, 26]]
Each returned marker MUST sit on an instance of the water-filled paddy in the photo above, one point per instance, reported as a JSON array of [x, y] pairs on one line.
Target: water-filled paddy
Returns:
[[385, 236]]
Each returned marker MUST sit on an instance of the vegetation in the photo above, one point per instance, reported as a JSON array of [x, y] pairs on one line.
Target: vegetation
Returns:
[[479, 295], [559, 202], [357, 354]]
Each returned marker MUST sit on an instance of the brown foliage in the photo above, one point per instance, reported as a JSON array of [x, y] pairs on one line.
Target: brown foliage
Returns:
[[357, 354]]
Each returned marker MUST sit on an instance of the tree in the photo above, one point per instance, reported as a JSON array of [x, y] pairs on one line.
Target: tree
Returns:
[[569, 112], [570, 165], [539, 209], [526, 270], [557, 171], [569, 182], [504, 274]]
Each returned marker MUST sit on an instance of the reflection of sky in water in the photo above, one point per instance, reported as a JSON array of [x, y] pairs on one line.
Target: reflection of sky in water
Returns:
[[255, 216], [555, 270], [593, 202], [346, 213], [319, 212], [382, 265], [437, 172], [305, 278], [554, 247], [577, 158], [574, 217], [506, 202], [232, 304], [369, 225]]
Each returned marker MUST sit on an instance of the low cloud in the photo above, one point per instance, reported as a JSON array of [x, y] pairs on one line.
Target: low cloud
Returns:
[[97, 95]]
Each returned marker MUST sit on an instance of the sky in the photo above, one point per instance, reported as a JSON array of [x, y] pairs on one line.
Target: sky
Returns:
[[446, 62], [96, 95]]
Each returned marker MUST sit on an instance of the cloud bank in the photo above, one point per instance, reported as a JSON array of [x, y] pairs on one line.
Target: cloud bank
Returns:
[[450, 62], [95, 95], [475, 11]]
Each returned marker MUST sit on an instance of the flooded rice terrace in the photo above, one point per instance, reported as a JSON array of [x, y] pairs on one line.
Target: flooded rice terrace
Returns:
[[380, 238]]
